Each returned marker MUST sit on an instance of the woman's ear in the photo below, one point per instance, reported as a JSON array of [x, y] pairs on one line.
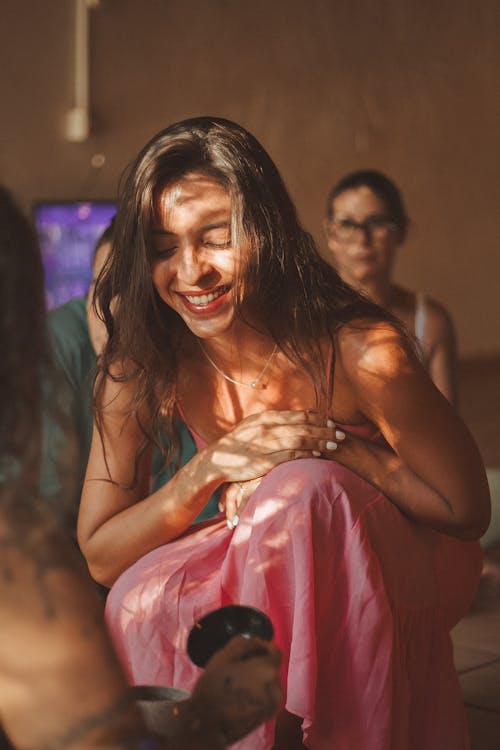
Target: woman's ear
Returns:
[[327, 229], [403, 231]]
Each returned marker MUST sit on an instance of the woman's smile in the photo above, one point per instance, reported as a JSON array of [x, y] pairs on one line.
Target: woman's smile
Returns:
[[206, 303]]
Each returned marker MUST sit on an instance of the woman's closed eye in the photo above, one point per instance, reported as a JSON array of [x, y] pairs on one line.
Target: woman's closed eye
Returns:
[[162, 253], [217, 245], [218, 237]]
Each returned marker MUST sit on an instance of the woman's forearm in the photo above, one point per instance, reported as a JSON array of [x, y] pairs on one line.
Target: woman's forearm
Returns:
[[121, 539], [386, 471]]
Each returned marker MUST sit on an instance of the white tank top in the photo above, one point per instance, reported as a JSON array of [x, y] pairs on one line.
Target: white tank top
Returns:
[[420, 317], [420, 320]]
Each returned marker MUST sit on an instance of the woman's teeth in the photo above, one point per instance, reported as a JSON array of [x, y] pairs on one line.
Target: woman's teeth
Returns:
[[204, 299]]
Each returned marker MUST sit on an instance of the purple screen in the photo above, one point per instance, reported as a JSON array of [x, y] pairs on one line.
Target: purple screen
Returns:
[[68, 232]]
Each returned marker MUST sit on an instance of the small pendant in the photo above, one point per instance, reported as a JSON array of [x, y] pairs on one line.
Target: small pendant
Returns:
[[253, 384]]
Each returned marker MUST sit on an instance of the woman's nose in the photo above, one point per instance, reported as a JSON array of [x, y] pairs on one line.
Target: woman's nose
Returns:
[[193, 265], [362, 235]]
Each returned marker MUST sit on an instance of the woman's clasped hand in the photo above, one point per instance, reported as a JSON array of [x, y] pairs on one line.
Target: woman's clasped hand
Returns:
[[263, 441]]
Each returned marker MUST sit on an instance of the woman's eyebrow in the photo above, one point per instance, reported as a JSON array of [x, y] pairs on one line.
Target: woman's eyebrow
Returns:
[[163, 231], [349, 216], [217, 225], [205, 228]]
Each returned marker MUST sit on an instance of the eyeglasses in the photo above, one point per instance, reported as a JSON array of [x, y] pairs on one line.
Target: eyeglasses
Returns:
[[377, 228]]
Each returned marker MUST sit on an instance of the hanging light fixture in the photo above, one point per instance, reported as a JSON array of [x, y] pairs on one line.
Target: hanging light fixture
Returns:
[[77, 122]]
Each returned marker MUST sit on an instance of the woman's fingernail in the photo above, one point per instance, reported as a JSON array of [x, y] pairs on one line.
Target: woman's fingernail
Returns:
[[316, 453], [236, 520], [330, 423], [339, 435], [330, 445]]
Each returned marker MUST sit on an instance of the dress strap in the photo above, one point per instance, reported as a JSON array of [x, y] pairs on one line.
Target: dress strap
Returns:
[[198, 440]]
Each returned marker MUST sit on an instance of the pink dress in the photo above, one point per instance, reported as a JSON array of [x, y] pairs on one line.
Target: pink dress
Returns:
[[361, 599]]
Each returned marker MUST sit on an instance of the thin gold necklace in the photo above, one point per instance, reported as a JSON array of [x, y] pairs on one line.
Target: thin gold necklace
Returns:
[[253, 383]]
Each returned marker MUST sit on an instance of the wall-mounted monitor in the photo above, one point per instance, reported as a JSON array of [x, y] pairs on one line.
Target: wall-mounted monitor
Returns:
[[68, 232]]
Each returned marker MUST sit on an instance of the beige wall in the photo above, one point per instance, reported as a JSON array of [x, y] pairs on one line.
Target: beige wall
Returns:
[[407, 86]]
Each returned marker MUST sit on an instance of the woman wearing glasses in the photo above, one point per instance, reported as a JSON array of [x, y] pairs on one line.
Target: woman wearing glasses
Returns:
[[365, 224]]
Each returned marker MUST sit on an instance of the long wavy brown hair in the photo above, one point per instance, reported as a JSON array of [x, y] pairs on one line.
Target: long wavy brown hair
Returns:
[[300, 297]]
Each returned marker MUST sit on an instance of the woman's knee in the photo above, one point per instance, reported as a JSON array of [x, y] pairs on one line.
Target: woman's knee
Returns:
[[301, 480], [315, 482]]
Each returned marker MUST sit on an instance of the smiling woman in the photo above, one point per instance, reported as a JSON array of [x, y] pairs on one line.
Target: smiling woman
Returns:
[[344, 473], [193, 261]]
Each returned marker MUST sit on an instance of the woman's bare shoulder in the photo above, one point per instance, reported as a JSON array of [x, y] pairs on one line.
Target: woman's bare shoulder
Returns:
[[367, 347]]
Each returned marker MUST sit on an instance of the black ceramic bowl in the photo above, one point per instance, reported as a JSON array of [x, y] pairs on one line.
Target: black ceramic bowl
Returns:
[[216, 628], [155, 704]]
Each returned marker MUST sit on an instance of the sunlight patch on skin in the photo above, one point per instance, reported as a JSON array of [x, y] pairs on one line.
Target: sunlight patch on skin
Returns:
[[186, 189], [183, 191], [379, 353], [225, 458]]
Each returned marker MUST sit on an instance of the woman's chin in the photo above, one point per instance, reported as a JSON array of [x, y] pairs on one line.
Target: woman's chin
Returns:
[[210, 327]]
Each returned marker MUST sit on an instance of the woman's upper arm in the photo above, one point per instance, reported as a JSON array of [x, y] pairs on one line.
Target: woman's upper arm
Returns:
[[116, 476], [393, 391], [442, 363]]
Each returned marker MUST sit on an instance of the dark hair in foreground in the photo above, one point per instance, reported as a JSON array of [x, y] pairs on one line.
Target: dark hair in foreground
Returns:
[[22, 340], [24, 363], [383, 187], [299, 297]]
